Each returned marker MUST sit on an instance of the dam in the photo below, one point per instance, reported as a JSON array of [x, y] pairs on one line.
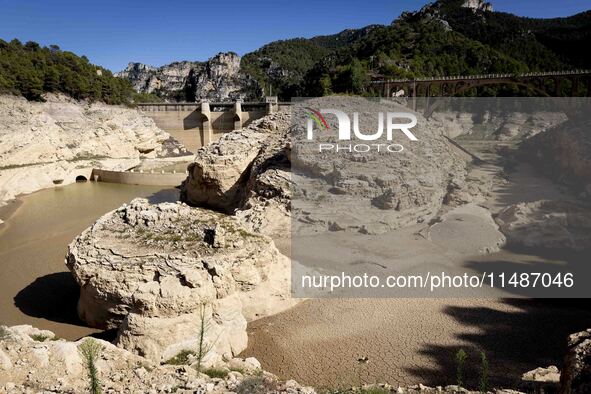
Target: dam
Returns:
[[197, 124]]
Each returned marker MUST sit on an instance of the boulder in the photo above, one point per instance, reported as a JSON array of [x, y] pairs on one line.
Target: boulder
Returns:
[[153, 272], [576, 373], [247, 173]]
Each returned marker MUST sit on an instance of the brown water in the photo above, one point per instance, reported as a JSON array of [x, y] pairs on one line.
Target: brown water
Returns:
[[35, 286]]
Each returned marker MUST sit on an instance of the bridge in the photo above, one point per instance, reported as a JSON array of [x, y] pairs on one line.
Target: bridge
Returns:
[[197, 124], [542, 82]]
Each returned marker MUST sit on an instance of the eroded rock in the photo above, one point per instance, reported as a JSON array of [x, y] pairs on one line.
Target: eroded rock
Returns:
[[576, 373], [62, 369], [148, 270], [548, 224], [43, 144]]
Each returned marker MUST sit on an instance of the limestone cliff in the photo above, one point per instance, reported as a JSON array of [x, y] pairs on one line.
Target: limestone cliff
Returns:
[[217, 79], [43, 144]]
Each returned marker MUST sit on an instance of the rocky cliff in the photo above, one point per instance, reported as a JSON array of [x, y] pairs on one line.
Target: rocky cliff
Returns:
[[217, 79], [43, 144]]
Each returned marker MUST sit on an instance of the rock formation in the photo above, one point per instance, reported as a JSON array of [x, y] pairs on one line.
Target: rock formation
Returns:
[[576, 373], [217, 79], [563, 154], [33, 360], [548, 224], [43, 144], [152, 271], [477, 5], [247, 171], [372, 192]]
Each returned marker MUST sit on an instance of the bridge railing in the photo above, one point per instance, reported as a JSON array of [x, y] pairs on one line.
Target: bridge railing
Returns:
[[487, 76]]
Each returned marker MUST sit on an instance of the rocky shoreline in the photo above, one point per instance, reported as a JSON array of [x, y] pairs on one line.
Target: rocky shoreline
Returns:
[[179, 282], [47, 144]]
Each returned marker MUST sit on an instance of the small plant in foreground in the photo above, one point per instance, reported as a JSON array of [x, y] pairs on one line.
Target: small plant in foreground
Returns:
[[483, 373], [4, 333], [460, 363], [204, 347], [215, 373], [40, 337], [91, 351], [181, 359]]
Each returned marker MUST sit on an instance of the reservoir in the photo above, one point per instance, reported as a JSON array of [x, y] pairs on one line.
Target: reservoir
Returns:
[[37, 288]]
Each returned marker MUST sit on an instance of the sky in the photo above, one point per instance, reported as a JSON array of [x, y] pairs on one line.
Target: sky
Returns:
[[112, 33]]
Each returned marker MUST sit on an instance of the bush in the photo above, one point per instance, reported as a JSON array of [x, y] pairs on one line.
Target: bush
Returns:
[[460, 364], [181, 359], [90, 351], [215, 373]]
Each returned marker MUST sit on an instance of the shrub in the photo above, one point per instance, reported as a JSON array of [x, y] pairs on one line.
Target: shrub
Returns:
[[181, 359], [215, 373], [90, 351], [483, 372], [460, 363], [204, 346]]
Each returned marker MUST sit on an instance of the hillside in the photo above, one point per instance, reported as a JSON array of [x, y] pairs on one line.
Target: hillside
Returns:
[[448, 37], [31, 70]]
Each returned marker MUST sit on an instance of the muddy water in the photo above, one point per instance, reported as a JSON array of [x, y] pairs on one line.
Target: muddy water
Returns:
[[35, 285]]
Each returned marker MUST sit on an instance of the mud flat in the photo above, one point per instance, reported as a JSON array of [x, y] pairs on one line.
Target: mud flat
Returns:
[[35, 286], [412, 340]]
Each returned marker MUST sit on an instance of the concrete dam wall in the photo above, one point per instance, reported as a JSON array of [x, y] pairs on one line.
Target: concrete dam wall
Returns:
[[198, 124]]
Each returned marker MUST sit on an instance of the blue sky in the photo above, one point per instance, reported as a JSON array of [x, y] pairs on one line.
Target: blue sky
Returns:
[[112, 33]]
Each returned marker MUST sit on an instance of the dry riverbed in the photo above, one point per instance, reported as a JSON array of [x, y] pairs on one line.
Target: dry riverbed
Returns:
[[410, 340]]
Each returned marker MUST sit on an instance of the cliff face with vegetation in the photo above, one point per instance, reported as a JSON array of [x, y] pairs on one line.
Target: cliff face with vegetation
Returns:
[[217, 79], [448, 37]]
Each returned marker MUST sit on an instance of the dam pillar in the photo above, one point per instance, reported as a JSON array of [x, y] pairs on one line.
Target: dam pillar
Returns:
[[272, 104], [238, 115], [206, 126]]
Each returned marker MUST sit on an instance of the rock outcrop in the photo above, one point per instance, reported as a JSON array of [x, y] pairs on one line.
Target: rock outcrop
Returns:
[[563, 154], [547, 224], [576, 373], [33, 360], [478, 5], [246, 172], [371, 192], [156, 272], [43, 144], [217, 79]]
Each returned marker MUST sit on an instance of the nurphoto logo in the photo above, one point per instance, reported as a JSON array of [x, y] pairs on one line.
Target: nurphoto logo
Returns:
[[402, 121]]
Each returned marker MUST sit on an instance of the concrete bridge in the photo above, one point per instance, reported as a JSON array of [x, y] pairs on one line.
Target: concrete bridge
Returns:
[[198, 124], [541, 82]]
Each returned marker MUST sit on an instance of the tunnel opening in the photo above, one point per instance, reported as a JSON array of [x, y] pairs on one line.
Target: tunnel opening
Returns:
[[81, 178]]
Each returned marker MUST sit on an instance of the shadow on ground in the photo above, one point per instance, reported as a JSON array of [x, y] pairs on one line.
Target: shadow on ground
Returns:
[[165, 195], [514, 342], [533, 333], [52, 297]]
